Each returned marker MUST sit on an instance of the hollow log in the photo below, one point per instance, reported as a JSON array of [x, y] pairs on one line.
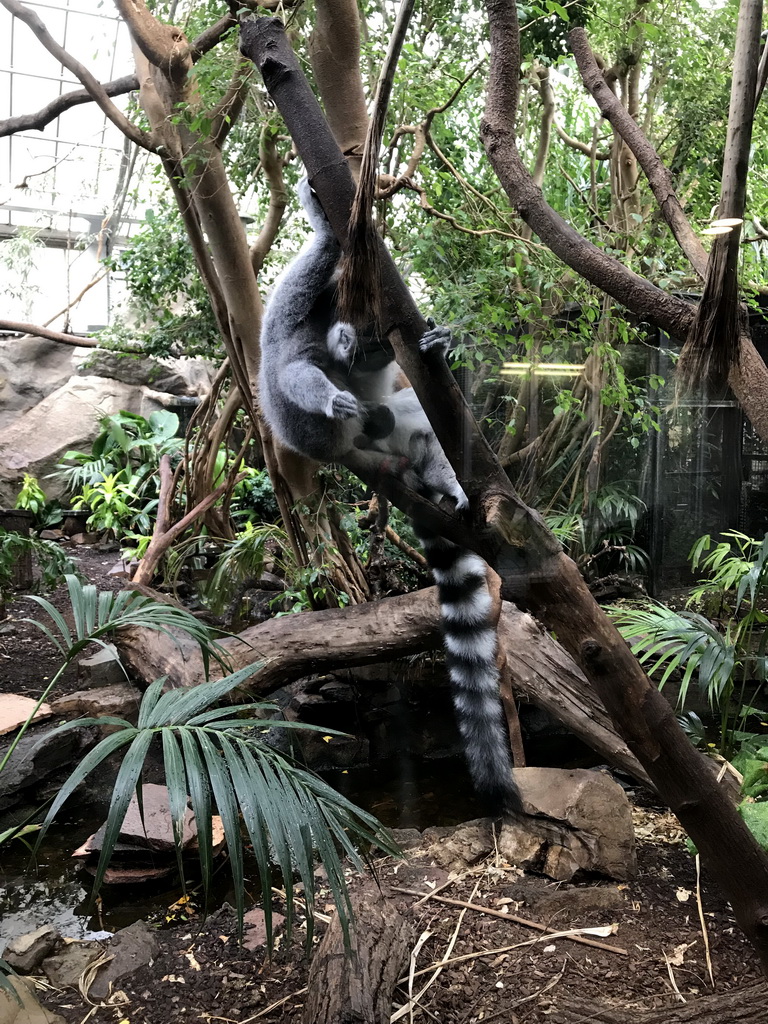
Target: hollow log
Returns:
[[356, 986], [290, 647]]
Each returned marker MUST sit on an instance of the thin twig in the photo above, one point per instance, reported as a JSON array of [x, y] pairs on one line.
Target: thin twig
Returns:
[[517, 920], [704, 933], [672, 979]]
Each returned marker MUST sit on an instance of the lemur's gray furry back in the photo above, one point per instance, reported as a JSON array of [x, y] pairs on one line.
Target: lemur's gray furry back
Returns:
[[328, 398]]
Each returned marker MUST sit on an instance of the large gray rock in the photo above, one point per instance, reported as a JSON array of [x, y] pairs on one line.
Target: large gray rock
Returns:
[[65, 969], [590, 826], [121, 699], [25, 1009], [101, 668], [188, 377], [25, 953], [66, 418], [30, 369]]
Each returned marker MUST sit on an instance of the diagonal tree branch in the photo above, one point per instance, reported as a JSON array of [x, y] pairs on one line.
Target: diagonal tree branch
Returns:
[[626, 127], [36, 121], [94, 88]]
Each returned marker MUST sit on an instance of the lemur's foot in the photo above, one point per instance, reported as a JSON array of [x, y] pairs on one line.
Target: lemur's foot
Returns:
[[460, 497], [342, 341], [436, 339], [343, 406], [313, 208]]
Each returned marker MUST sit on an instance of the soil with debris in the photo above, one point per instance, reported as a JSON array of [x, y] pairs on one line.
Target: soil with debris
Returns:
[[657, 957]]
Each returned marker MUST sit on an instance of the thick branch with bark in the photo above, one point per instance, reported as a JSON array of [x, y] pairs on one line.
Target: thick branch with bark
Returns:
[[35, 331], [541, 672], [627, 128]]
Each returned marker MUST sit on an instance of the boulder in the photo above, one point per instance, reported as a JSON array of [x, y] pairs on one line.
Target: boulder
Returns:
[[584, 824], [459, 847], [30, 370], [23, 1007], [25, 953], [41, 753], [185, 377], [66, 418], [101, 669], [130, 948]]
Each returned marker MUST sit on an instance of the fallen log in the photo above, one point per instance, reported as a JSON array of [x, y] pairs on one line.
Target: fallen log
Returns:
[[356, 986], [290, 647]]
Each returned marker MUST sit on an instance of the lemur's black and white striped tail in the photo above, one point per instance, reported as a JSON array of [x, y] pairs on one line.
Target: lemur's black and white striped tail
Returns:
[[470, 653]]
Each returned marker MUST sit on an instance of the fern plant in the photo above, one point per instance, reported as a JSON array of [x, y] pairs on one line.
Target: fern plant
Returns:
[[724, 657]]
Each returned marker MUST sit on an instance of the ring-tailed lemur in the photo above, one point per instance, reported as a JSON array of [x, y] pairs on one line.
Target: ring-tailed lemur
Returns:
[[326, 397]]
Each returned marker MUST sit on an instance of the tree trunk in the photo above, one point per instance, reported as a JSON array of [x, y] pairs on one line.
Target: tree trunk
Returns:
[[355, 986], [512, 537]]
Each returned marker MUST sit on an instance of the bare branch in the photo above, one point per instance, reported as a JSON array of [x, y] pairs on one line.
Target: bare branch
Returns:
[[227, 110], [118, 87], [272, 165], [94, 88], [497, 130], [627, 128], [577, 144], [45, 332]]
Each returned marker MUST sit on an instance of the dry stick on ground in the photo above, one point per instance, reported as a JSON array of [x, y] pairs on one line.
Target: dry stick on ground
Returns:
[[739, 1006], [517, 920], [512, 537]]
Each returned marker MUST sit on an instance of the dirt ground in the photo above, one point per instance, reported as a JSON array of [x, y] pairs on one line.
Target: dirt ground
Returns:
[[657, 959]]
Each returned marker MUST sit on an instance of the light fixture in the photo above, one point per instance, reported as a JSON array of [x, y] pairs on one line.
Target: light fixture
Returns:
[[542, 369], [724, 230], [726, 222]]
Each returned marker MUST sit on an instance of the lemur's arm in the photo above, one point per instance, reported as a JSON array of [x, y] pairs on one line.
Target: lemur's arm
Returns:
[[307, 386]]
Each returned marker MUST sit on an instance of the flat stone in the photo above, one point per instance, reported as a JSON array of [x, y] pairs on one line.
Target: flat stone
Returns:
[[25, 953], [156, 832], [64, 969], [15, 709], [85, 539], [51, 534], [121, 699], [101, 669], [590, 827], [29, 1010], [255, 934], [131, 948]]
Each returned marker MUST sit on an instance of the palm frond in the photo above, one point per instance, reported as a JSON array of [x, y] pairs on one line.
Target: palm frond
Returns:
[[212, 757]]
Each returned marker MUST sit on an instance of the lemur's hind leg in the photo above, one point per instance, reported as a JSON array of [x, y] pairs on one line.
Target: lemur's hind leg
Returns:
[[371, 466]]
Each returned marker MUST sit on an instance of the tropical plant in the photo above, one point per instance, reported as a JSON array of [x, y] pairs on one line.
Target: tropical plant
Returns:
[[51, 559], [599, 536], [217, 756], [722, 658], [32, 498], [127, 443], [115, 505], [97, 615]]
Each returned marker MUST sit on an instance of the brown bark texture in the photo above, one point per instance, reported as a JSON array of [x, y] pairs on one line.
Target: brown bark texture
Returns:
[[511, 536], [356, 986]]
